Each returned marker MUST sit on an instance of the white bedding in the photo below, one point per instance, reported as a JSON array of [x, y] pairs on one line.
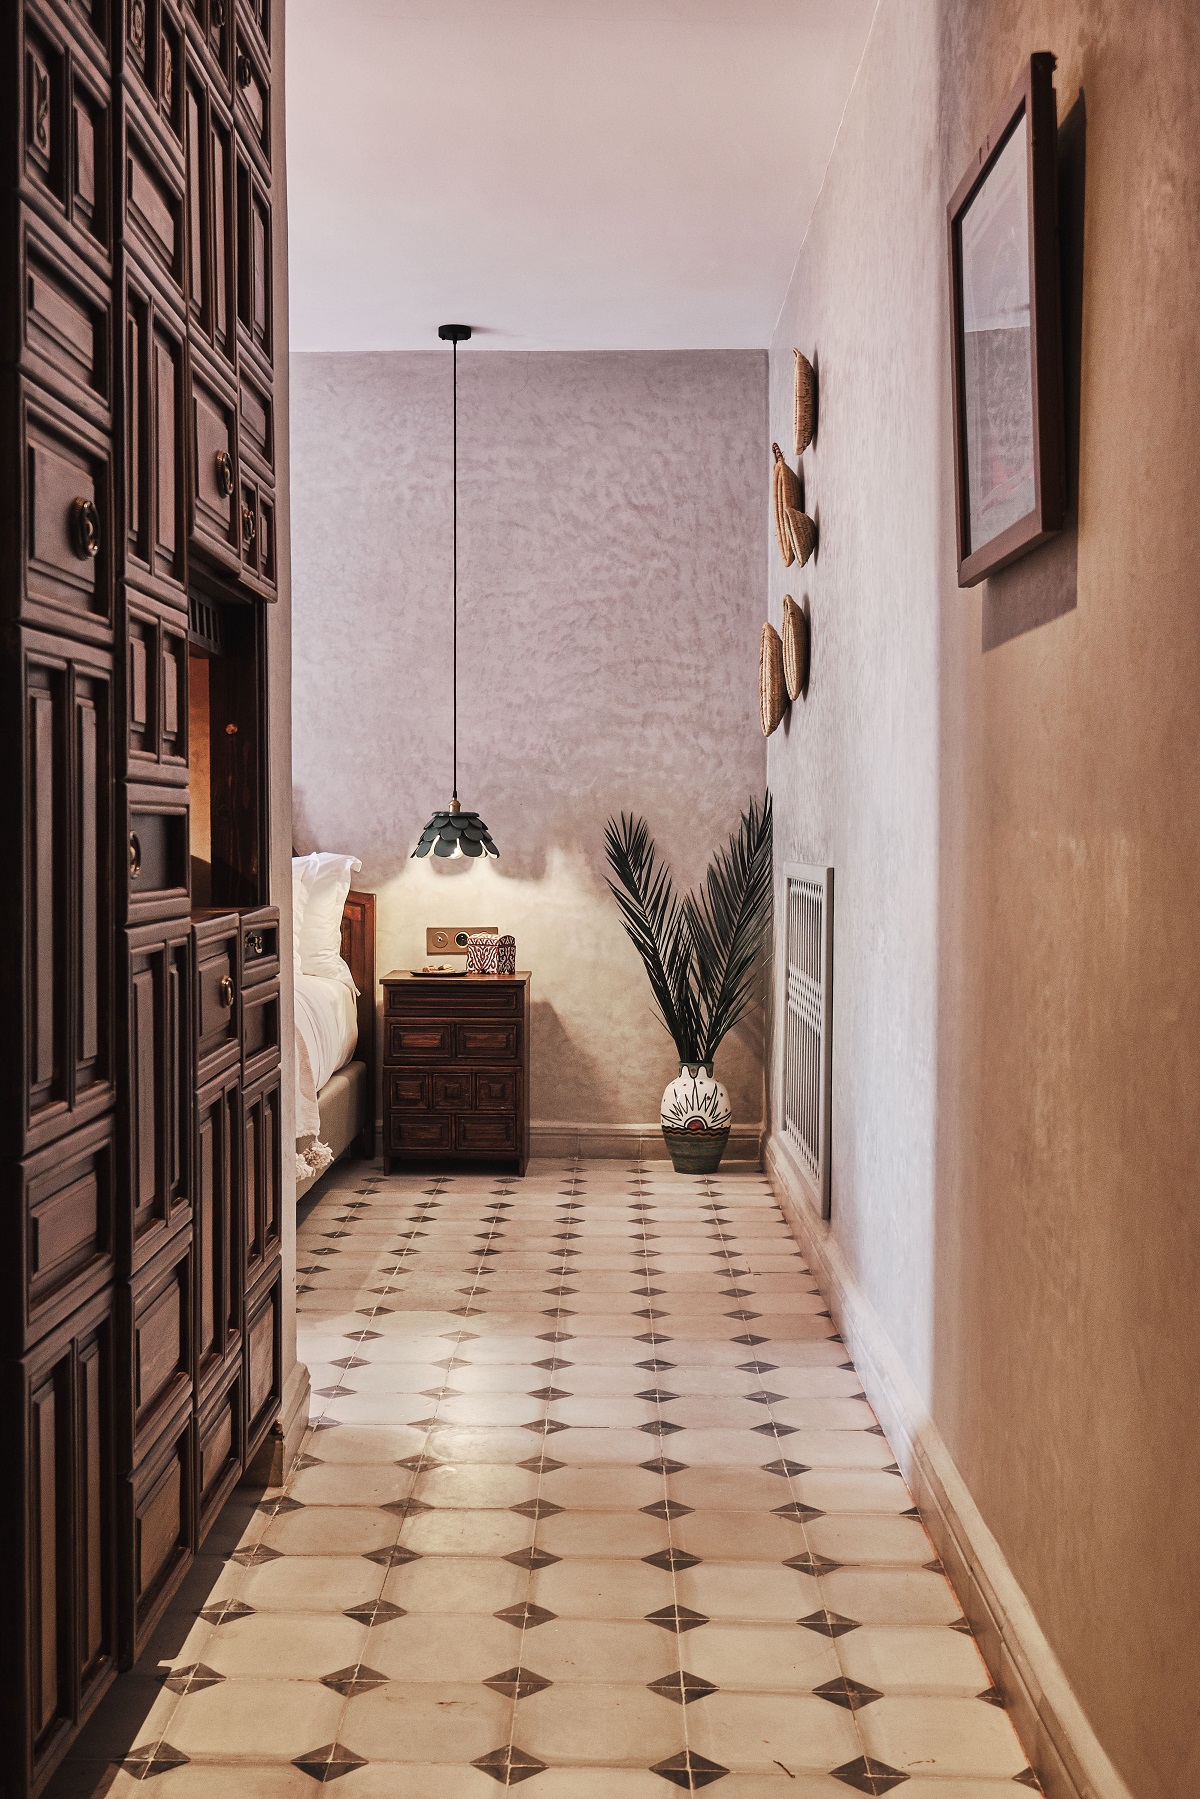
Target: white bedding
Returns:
[[326, 1024]]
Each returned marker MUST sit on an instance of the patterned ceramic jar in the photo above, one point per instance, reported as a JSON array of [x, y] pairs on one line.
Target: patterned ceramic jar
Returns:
[[481, 954], [506, 955], [695, 1117]]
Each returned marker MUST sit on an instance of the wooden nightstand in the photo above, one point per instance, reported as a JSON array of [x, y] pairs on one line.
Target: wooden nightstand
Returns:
[[456, 1071]]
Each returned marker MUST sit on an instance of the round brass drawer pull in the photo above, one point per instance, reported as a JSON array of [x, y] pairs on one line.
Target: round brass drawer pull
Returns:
[[225, 990], [254, 942], [85, 528], [135, 856], [249, 527], [245, 70], [224, 473]]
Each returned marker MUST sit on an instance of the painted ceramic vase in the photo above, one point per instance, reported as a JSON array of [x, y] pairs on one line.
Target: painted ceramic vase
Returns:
[[696, 1116]]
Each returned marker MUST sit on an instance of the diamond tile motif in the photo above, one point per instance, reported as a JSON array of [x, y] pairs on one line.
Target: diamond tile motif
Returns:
[[656, 1395], [277, 1505], [687, 1769], [773, 1428], [678, 1618], [350, 1361], [797, 1512], [546, 1427], [192, 1679], [518, 1683], [255, 1557], [852, 1695], [866, 1775], [406, 1508], [667, 1508], [223, 1611], [682, 1687], [749, 1340], [550, 1363], [993, 1696], [329, 1762], [663, 1465], [550, 1393], [375, 1611], [541, 1464], [670, 1559], [510, 1765], [526, 1615], [154, 1758], [537, 1508], [349, 1682], [392, 1556], [765, 1398], [363, 1336], [808, 1563], [829, 1624], [418, 1463], [660, 1427], [785, 1467], [532, 1558], [1027, 1778], [655, 1366]]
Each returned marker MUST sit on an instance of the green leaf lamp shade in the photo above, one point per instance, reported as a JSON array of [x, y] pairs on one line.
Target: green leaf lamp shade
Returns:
[[456, 833]]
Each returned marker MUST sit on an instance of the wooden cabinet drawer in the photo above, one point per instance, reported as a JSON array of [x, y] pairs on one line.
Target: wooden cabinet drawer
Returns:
[[153, 201], [66, 322], [158, 1063], [156, 690], [481, 996], [496, 1090], [68, 530], [408, 1092], [156, 853], [69, 1215], [260, 945], [157, 1532], [415, 1042], [264, 1350], [453, 1092], [219, 1225], [429, 1133], [482, 1130], [215, 524], [487, 1042], [219, 1440], [216, 964], [160, 1343], [260, 1030], [262, 1161]]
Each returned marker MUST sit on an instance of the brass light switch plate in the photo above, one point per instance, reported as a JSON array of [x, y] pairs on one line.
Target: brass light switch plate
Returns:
[[442, 940]]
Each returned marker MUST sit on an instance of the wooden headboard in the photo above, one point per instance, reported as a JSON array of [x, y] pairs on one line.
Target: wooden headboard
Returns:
[[358, 952]]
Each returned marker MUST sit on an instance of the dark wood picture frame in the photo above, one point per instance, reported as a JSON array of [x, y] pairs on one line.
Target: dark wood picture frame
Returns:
[[1033, 100]]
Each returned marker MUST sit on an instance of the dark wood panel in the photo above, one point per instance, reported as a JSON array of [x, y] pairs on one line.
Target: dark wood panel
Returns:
[[157, 1087], [260, 945], [420, 1042], [65, 322], [497, 1090], [252, 97], [157, 1532], [65, 493], [155, 706], [155, 466], [219, 1226], [487, 1042], [214, 523], [456, 1071], [221, 1433], [260, 1030], [60, 1654], [56, 1063], [157, 1339], [255, 298], [153, 224], [262, 1163], [61, 1233], [218, 1040], [264, 1358], [154, 868], [405, 1132], [65, 136], [474, 1131]]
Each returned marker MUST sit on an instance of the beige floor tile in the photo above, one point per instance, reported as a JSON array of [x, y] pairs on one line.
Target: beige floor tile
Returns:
[[942, 1736], [853, 1490], [602, 1589], [331, 1530], [476, 1485], [445, 1583], [467, 1532], [846, 1539], [425, 1722], [311, 1583], [603, 1534], [342, 1484], [914, 1659], [731, 1489], [599, 1722], [290, 1646], [891, 1596], [753, 1731], [750, 1591], [600, 1488], [769, 1658], [256, 1718], [443, 1648], [574, 1649]]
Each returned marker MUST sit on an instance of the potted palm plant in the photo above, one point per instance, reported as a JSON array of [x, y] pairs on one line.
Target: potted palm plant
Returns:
[[702, 955]]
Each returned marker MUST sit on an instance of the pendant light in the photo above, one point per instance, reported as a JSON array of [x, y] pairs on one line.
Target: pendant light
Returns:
[[455, 833]]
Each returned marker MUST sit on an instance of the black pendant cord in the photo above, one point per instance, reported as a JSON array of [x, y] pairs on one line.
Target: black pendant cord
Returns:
[[454, 657]]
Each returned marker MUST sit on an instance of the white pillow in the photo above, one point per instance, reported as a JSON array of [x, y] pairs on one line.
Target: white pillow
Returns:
[[301, 870], [327, 882]]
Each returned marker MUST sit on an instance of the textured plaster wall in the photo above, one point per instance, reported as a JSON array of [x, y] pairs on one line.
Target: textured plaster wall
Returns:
[[610, 579], [1005, 779]]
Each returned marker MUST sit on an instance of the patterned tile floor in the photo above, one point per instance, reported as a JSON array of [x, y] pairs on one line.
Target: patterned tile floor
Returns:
[[592, 1500]]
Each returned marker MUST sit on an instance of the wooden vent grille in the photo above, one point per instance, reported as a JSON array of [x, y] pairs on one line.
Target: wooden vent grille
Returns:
[[205, 625], [808, 1024]]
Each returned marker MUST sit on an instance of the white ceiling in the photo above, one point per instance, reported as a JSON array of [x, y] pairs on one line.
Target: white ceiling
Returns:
[[560, 174]]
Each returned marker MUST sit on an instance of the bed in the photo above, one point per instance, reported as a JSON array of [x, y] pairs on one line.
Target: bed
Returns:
[[335, 1050]]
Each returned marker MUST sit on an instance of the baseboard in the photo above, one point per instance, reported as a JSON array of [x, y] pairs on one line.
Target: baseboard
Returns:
[[1063, 1749], [281, 1445], [637, 1142]]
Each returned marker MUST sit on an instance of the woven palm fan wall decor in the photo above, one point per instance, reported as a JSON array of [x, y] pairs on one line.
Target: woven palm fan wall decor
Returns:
[[783, 660]]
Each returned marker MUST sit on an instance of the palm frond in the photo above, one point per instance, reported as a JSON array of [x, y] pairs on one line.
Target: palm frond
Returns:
[[700, 953], [658, 926], [729, 917]]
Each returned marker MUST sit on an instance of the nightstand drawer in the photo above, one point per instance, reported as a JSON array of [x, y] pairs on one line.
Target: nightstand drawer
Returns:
[[482, 1130], [487, 1042], [475, 995], [495, 1091], [408, 1092], [405, 1132], [419, 1042], [453, 1092]]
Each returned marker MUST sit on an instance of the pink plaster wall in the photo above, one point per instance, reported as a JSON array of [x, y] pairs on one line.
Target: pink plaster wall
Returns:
[[1006, 780], [611, 545]]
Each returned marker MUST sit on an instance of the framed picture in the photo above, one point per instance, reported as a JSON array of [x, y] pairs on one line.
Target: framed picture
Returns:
[[1006, 335]]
